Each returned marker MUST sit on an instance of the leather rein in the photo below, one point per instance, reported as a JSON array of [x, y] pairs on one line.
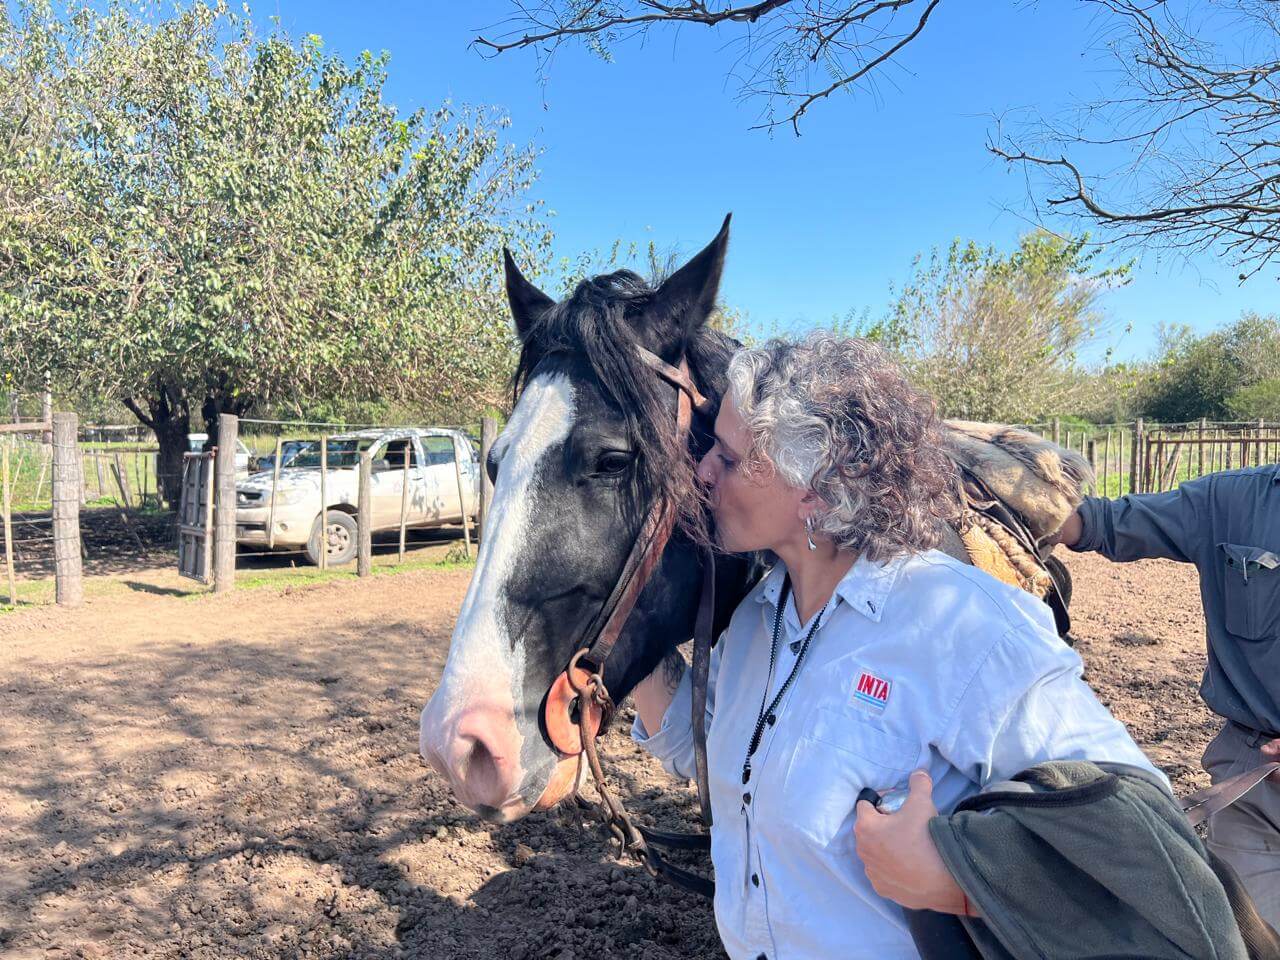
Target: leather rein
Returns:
[[581, 683]]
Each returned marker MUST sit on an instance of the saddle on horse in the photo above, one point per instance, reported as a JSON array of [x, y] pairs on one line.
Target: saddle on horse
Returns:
[[1018, 490]]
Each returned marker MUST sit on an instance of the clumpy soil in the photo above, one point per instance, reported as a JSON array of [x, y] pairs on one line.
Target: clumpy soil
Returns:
[[237, 776]]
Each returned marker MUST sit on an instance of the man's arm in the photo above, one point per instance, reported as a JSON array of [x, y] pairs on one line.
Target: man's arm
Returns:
[[1140, 526]]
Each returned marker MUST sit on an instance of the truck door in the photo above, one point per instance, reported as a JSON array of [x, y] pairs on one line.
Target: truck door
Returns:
[[443, 480], [470, 470], [389, 478]]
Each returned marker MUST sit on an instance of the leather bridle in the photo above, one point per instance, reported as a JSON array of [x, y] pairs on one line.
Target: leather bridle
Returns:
[[582, 680]]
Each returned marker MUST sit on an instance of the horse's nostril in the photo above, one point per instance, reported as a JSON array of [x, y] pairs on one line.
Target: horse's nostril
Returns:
[[483, 775]]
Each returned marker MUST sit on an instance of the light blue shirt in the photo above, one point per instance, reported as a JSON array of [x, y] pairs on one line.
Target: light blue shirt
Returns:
[[920, 662]]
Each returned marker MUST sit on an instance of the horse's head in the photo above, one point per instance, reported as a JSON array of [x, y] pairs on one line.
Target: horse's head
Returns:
[[590, 445]]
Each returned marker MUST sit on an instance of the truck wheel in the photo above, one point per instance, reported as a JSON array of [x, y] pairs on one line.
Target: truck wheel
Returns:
[[340, 536]]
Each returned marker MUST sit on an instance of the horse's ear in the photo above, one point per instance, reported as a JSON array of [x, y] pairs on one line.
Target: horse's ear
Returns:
[[528, 303], [683, 303]]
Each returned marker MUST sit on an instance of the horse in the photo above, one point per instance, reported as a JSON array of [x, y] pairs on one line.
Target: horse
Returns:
[[589, 447], [592, 450]]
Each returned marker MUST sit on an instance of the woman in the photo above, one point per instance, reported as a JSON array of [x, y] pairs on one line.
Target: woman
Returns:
[[864, 655]]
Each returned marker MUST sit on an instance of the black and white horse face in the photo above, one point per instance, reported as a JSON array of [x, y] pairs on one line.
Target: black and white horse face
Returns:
[[568, 503]]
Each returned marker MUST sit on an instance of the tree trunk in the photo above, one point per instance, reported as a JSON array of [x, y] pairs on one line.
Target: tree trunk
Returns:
[[168, 415], [171, 437], [216, 404]]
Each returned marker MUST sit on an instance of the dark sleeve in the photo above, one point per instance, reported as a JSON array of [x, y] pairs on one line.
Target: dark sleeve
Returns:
[[1144, 526]]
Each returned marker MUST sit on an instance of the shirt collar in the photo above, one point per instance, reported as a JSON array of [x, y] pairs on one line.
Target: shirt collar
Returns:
[[865, 587]]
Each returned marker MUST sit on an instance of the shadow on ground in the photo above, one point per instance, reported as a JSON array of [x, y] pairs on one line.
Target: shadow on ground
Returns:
[[239, 793]]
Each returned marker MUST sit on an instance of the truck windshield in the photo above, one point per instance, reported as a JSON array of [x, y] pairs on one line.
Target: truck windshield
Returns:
[[341, 453]]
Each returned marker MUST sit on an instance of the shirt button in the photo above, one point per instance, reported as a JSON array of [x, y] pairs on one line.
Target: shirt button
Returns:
[[762, 957], [755, 879], [746, 798]]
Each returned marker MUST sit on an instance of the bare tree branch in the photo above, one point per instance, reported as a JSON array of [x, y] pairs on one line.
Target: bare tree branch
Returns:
[[795, 52], [1187, 152]]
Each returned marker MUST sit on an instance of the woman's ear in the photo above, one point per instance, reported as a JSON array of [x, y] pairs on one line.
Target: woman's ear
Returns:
[[809, 505]]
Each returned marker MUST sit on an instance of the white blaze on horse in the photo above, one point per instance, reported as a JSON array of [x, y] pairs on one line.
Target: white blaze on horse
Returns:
[[594, 451], [590, 447]]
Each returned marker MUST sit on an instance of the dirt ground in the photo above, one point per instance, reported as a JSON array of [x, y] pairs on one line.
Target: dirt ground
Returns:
[[237, 776]]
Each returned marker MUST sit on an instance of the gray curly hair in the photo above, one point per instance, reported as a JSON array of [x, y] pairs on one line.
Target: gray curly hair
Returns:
[[837, 416]]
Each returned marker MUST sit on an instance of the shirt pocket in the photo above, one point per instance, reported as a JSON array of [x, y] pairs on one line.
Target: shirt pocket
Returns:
[[1251, 591], [839, 755]]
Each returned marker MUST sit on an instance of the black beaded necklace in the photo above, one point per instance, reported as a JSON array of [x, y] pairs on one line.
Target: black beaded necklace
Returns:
[[767, 715]]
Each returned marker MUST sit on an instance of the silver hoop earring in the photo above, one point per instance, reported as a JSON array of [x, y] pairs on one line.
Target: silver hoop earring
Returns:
[[808, 529]]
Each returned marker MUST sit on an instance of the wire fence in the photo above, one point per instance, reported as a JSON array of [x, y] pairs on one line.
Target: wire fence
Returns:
[[1142, 457], [297, 485]]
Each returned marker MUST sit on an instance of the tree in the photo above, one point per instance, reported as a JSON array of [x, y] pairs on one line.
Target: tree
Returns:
[[200, 221], [1261, 401], [1218, 376], [796, 53], [997, 336], [1196, 120], [1186, 151]]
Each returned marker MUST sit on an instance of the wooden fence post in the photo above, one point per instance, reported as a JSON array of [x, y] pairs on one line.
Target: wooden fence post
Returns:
[[1257, 447], [1057, 430], [1091, 456], [1106, 464], [488, 434], [68, 579], [275, 486], [1200, 437], [122, 481], [7, 503], [364, 517], [404, 502], [1135, 458], [462, 498], [224, 543], [323, 546]]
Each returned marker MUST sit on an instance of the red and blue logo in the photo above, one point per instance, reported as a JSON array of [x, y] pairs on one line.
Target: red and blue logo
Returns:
[[872, 691]]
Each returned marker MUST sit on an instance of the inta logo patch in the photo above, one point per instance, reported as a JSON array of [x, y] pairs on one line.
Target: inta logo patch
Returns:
[[872, 691]]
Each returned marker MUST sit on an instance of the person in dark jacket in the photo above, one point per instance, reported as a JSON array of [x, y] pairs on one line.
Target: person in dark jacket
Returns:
[[1228, 525]]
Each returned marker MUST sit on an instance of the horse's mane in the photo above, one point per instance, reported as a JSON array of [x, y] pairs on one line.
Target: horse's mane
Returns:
[[598, 321]]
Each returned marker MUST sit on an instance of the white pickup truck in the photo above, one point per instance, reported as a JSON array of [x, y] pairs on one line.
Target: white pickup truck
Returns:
[[431, 501]]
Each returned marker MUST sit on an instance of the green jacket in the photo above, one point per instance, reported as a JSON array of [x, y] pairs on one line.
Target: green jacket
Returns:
[[1072, 859]]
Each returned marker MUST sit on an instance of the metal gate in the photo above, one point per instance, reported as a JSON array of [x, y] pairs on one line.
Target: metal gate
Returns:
[[195, 518]]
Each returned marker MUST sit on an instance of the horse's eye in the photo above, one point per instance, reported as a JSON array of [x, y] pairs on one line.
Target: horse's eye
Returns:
[[613, 462]]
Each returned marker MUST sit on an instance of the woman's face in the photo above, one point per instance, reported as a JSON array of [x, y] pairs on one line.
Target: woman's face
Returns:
[[754, 509]]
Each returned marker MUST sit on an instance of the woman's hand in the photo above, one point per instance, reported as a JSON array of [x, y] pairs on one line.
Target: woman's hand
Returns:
[[1270, 750], [653, 695], [901, 861]]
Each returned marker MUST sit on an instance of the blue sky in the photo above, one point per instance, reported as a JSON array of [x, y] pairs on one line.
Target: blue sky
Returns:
[[656, 146]]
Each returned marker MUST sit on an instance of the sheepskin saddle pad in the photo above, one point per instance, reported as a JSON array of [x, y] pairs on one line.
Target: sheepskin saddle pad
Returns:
[[1019, 489]]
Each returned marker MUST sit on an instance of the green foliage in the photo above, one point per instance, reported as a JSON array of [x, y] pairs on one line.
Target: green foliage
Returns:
[[1201, 376], [195, 217], [1256, 402], [1111, 394], [996, 336]]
